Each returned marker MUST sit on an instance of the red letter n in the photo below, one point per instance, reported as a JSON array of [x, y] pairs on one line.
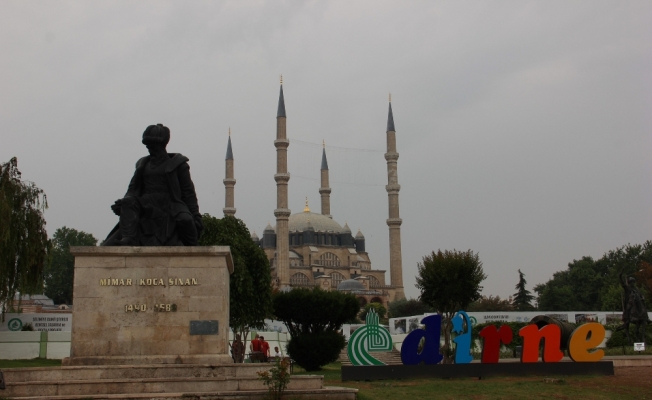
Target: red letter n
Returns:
[[532, 335]]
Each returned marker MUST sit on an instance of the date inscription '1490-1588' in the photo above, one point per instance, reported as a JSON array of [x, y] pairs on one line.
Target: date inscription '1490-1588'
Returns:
[[156, 308], [149, 282]]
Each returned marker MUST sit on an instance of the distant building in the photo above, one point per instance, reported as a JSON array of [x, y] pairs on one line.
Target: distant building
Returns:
[[308, 249], [38, 303]]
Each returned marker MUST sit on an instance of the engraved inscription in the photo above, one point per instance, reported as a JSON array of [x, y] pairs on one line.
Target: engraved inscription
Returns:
[[157, 307], [135, 307], [165, 307], [115, 282], [149, 282]]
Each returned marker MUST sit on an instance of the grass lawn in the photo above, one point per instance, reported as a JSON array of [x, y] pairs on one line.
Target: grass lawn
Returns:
[[36, 362], [628, 383]]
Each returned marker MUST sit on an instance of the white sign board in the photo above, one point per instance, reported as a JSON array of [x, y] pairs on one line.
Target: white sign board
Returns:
[[639, 346], [54, 322]]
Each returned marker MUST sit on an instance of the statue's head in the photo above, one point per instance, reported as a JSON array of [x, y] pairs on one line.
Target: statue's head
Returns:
[[157, 135], [631, 280]]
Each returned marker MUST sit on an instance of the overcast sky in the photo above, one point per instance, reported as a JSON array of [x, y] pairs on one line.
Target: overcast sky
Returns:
[[523, 127]]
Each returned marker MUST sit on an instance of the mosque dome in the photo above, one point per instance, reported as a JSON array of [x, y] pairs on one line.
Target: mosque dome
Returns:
[[303, 221], [350, 284]]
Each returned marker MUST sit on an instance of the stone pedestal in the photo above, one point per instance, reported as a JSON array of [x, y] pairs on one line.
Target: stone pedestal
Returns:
[[150, 305]]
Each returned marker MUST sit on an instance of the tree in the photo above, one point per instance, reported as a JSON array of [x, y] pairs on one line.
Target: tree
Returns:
[[23, 238], [379, 308], [490, 303], [589, 284], [251, 281], [60, 272], [449, 281], [556, 297], [522, 300], [313, 318], [407, 308]]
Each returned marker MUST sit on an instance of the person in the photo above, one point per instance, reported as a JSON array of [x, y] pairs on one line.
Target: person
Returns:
[[264, 348], [254, 346], [160, 207], [277, 353]]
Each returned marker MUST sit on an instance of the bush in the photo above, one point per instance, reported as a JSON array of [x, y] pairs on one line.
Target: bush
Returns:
[[313, 318], [618, 339], [312, 350]]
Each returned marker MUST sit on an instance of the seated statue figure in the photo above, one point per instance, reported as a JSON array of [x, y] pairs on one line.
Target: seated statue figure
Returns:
[[160, 207]]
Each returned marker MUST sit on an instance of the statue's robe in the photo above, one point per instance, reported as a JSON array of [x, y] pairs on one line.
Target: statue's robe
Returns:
[[160, 211]]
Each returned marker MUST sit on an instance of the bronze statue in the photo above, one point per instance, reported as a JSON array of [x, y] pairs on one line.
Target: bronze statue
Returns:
[[634, 310], [160, 207]]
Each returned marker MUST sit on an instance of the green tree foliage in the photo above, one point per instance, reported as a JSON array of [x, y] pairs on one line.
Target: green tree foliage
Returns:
[[408, 308], [514, 326], [449, 281], [314, 318], [380, 310], [490, 303], [23, 238], [589, 284], [522, 300], [59, 273], [251, 282]]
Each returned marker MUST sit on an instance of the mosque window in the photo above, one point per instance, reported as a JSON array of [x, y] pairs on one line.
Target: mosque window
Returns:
[[373, 281], [329, 260], [336, 279], [299, 279]]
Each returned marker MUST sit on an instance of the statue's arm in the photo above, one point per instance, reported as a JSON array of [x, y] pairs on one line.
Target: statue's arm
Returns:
[[135, 183], [188, 194], [623, 281]]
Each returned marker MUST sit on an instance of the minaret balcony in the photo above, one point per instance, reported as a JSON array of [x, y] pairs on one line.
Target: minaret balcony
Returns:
[[391, 156], [282, 213], [393, 188], [282, 143], [282, 177], [394, 222], [323, 190], [229, 181]]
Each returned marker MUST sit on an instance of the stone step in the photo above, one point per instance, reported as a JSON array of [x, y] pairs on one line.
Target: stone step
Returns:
[[89, 387], [392, 357], [58, 374], [325, 393]]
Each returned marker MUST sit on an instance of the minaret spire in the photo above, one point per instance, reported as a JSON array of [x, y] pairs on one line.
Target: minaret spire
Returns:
[[229, 181], [394, 221], [282, 212], [325, 190]]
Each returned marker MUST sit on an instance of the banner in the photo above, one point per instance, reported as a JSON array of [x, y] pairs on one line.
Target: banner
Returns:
[[51, 322]]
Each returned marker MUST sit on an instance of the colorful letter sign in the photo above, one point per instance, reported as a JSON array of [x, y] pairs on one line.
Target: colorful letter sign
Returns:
[[369, 338], [422, 345]]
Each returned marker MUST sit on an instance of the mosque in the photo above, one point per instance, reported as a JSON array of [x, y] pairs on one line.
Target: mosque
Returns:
[[309, 249]]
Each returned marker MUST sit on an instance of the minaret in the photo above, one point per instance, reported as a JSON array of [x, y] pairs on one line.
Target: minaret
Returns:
[[282, 211], [325, 190], [229, 182], [394, 221]]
